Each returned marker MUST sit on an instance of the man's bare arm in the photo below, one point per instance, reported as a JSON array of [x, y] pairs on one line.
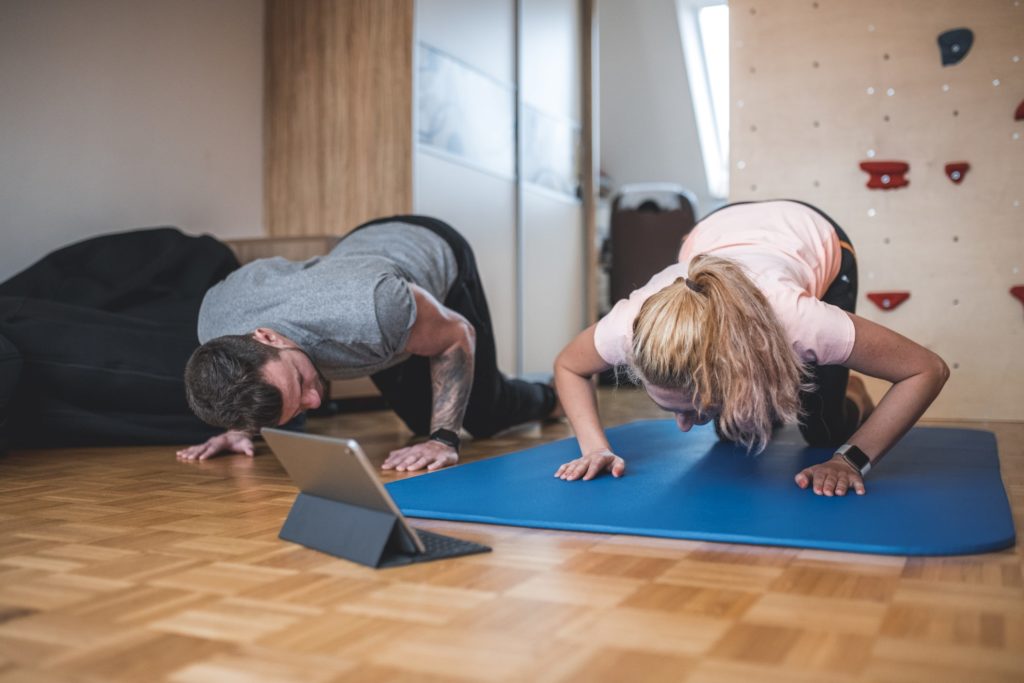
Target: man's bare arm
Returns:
[[451, 377], [449, 341]]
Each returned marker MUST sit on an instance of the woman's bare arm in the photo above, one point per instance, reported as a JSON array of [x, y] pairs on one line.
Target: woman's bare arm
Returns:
[[575, 366], [917, 377]]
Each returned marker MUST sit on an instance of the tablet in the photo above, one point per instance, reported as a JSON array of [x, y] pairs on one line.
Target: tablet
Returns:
[[339, 485]]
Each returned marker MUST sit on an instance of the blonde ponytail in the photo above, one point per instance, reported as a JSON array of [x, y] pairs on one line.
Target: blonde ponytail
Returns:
[[714, 336]]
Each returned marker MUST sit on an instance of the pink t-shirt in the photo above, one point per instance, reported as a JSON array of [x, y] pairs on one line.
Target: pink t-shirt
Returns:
[[788, 250]]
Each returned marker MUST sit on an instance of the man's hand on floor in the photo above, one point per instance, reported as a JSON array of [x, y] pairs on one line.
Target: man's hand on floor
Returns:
[[430, 454], [228, 442]]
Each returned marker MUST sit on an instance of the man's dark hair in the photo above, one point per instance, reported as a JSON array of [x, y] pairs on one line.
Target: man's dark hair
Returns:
[[225, 386]]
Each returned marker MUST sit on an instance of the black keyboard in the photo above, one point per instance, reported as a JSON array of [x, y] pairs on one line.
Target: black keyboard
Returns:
[[439, 546]]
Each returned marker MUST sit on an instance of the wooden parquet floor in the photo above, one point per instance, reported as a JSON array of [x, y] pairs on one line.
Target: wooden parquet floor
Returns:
[[122, 564]]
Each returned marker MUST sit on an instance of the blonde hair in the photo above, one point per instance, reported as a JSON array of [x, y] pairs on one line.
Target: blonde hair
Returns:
[[714, 336]]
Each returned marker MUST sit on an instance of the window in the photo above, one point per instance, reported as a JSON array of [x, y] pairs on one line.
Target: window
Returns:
[[704, 30]]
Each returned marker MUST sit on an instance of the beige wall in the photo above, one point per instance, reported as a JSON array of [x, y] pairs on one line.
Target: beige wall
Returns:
[[803, 119], [119, 114]]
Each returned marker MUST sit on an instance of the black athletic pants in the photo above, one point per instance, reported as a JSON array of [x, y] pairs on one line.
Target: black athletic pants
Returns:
[[829, 417], [495, 401]]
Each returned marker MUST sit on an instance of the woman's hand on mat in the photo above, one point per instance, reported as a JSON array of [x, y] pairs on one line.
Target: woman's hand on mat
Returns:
[[228, 442], [592, 464], [831, 478], [430, 454]]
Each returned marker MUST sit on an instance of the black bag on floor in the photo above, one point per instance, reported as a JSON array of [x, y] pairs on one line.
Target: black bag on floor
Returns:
[[10, 369], [104, 328]]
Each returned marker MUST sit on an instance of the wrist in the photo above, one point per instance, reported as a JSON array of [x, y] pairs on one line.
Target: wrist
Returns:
[[447, 437], [854, 457], [844, 462]]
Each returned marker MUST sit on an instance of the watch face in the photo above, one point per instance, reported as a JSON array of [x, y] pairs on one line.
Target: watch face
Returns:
[[857, 458]]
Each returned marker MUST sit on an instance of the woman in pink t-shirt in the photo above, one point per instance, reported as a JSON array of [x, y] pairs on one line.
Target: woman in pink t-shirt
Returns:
[[754, 327]]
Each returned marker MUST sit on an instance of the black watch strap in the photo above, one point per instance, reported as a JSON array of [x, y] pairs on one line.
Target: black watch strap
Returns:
[[447, 437], [855, 458]]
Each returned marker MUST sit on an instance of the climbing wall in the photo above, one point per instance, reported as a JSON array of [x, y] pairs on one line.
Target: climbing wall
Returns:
[[821, 87]]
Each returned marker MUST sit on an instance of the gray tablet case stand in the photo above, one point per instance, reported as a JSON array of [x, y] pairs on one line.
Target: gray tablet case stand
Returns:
[[369, 537]]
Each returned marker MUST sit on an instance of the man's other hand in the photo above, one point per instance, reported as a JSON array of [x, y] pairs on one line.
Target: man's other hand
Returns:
[[430, 454], [228, 442]]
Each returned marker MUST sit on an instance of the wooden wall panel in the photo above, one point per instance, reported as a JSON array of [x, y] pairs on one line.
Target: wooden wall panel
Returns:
[[810, 101], [338, 113]]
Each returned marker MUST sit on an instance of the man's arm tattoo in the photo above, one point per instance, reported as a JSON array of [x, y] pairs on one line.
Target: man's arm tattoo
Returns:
[[451, 375]]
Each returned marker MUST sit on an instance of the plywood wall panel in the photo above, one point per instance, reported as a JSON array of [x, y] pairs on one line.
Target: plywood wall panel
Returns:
[[338, 113], [802, 119]]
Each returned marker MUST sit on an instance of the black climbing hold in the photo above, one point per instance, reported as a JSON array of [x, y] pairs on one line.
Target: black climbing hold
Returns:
[[955, 44]]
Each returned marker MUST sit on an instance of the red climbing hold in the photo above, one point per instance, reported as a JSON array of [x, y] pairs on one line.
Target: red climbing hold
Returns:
[[888, 300], [1018, 292], [1019, 115], [886, 175], [957, 170]]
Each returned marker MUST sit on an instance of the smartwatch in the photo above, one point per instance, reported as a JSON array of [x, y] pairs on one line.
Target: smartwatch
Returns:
[[855, 458], [447, 437]]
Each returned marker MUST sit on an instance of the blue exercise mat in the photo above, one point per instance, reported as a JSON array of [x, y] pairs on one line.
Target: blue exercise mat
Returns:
[[938, 492]]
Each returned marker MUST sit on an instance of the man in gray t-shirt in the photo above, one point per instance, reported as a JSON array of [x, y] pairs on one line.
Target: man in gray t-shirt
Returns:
[[397, 299]]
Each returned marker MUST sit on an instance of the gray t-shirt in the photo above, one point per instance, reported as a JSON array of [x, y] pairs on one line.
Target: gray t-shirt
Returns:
[[350, 310]]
